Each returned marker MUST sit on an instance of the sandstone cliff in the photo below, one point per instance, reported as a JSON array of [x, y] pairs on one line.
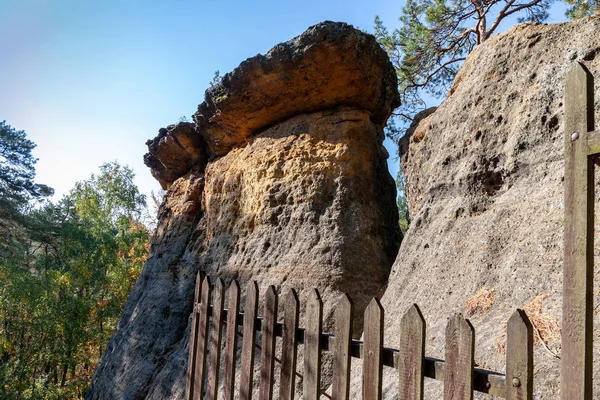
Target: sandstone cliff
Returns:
[[485, 193], [282, 179]]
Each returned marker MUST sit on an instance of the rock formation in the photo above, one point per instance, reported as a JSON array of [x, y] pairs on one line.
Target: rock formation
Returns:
[[282, 179], [485, 194]]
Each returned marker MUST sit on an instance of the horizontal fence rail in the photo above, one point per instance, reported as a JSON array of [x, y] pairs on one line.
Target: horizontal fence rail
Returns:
[[460, 376]]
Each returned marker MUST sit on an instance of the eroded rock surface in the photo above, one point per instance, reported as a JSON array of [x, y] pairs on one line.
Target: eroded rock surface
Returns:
[[174, 152], [329, 65], [485, 194], [292, 190]]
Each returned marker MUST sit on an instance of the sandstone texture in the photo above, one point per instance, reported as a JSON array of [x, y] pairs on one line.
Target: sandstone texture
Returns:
[[329, 65], [283, 180], [485, 194]]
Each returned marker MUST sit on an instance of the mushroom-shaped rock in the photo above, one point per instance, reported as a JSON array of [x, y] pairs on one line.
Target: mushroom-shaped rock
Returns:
[[174, 151], [331, 64]]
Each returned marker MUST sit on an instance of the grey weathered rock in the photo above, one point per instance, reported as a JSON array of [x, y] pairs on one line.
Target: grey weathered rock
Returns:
[[485, 194], [329, 65], [174, 152], [304, 201]]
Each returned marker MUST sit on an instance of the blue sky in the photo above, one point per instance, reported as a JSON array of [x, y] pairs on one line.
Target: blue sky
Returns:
[[91, 81]]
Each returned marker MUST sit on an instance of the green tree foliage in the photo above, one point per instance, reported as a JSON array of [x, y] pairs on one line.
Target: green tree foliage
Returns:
[[403, 219], [434, 39], [582, 8], [62, 293], [17, 186]]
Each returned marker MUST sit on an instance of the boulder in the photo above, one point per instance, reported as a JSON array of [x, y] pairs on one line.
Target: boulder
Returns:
[[484, 179], [329, 65], [175, 150], [292, 190]]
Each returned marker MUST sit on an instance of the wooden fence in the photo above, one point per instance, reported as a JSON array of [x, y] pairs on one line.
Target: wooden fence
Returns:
[[582, 151], [211, 322]]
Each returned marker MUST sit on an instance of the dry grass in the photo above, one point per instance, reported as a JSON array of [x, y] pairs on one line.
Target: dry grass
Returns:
[[545, 326], [481, 302]]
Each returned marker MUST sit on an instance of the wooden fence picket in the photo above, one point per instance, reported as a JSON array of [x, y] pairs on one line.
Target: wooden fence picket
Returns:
[[312, 347], [458, 368], [344, 315], [519, 357], [372, 355], [191, 370], [267, 367], [457, 371], [578, 273], [412, 353], [202, 345], [216, 331], [289, 346], [231, 341], [248, 341]]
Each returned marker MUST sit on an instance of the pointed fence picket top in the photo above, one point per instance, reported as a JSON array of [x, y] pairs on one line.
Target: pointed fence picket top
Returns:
[[191, 369], [231, 341], [289, 346], [202, 344], [578, 274], [519, 357], [248, 340], [312, 346], [344, 315], [458, 368], [267, 367], [216, 332], [457, 371], [412, 353], [372, 354]]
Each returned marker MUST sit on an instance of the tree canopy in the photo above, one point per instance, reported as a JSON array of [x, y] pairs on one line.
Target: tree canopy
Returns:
[[64, 282], [17, 186], [436, 36]]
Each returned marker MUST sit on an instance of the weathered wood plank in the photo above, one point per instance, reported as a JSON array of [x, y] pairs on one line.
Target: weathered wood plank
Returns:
[[576, 358], [216, 332], [344, 315], [519, 357], [458, 368], [373, 349], [593, 142], [312, 347], [191, 370], [411, 356], [231, 340], [267, 367], [248, 341], [202, 347], [289, 346]]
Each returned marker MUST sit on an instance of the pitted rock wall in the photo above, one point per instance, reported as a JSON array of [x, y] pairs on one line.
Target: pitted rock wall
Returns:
[[485, 193]]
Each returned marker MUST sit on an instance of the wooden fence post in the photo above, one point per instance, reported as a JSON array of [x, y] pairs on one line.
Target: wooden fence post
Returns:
[[458, 368], [216, 332], [312, 346], [231, 341], [248, 339], [519, 357], [202, 345], [577, 324], [412, 352], [341, 357], [267, 367], [289, 347], [373, 346], [191, 369]]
